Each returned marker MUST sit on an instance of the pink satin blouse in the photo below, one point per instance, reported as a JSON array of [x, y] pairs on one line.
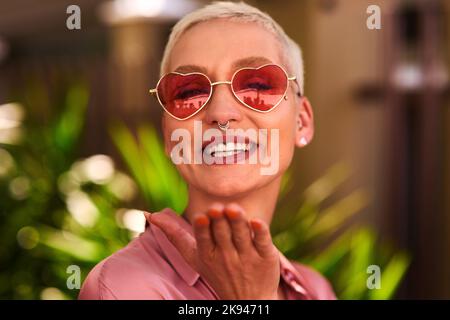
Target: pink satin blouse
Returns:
[[150, 267]]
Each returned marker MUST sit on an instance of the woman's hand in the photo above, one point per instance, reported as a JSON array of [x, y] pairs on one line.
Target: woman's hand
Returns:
[[236, 263]]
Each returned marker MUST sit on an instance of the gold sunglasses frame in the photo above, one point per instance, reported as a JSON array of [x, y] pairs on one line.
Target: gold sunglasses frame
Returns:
[[155, 90]]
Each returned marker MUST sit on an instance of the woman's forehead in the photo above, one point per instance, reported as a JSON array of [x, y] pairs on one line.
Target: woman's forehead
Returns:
[[252, 61], [216, 46]]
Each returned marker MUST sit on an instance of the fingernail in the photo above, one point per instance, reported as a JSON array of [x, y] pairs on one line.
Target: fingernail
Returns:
[[231, 213], [215, 213], [255, 225], [201, 220], [147, 216]]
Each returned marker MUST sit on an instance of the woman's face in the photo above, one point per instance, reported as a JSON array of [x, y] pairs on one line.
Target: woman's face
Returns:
[[218, 48]]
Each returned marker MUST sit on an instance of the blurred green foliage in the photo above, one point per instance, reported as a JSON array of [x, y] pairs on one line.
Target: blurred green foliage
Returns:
[[51, 214], [58, 210], [158, 180], [330, 238]]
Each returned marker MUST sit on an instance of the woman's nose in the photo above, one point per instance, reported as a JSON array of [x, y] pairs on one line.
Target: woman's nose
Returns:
[[222, 106]]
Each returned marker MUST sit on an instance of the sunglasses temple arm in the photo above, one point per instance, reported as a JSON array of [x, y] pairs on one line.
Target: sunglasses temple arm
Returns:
[[152, 91], [293, 78]]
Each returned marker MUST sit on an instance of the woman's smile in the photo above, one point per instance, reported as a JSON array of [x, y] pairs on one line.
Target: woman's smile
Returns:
[[228, 149]]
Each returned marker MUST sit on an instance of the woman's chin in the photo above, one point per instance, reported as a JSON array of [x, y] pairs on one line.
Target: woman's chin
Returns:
[[226, 189], [230, 185]]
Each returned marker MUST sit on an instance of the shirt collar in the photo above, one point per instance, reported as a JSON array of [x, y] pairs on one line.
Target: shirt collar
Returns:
[[291, 276], [294, 278]]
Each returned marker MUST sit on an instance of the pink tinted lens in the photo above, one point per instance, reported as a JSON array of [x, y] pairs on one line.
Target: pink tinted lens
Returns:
[[183, 95], [262, 88]]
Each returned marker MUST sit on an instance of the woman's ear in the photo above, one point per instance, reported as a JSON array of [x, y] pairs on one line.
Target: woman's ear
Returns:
[[305, 123]]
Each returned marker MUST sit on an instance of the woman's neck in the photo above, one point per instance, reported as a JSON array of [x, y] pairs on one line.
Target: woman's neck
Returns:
[[259, 203]]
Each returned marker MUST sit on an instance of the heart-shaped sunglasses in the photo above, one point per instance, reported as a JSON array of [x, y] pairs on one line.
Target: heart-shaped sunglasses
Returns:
[[260, 89]]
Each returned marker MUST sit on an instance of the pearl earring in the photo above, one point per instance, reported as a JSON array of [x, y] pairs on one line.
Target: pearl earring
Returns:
[[303, 141]]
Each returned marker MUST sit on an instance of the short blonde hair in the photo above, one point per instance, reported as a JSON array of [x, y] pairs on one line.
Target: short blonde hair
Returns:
[[240, 12]]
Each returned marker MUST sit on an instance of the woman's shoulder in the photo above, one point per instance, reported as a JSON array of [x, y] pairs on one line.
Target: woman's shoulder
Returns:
[[316, 281], [134, 266]]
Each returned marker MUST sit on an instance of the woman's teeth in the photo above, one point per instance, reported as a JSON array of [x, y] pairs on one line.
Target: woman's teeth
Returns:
[[227, 149]]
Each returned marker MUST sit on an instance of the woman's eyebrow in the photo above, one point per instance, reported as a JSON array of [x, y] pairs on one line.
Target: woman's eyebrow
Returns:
[[191, 68], [253, 61]]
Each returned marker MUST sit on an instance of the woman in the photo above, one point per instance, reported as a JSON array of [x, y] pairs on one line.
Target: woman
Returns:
[[226, 67]]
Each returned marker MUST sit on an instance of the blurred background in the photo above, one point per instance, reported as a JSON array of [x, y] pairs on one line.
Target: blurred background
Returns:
[[81, 152]]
